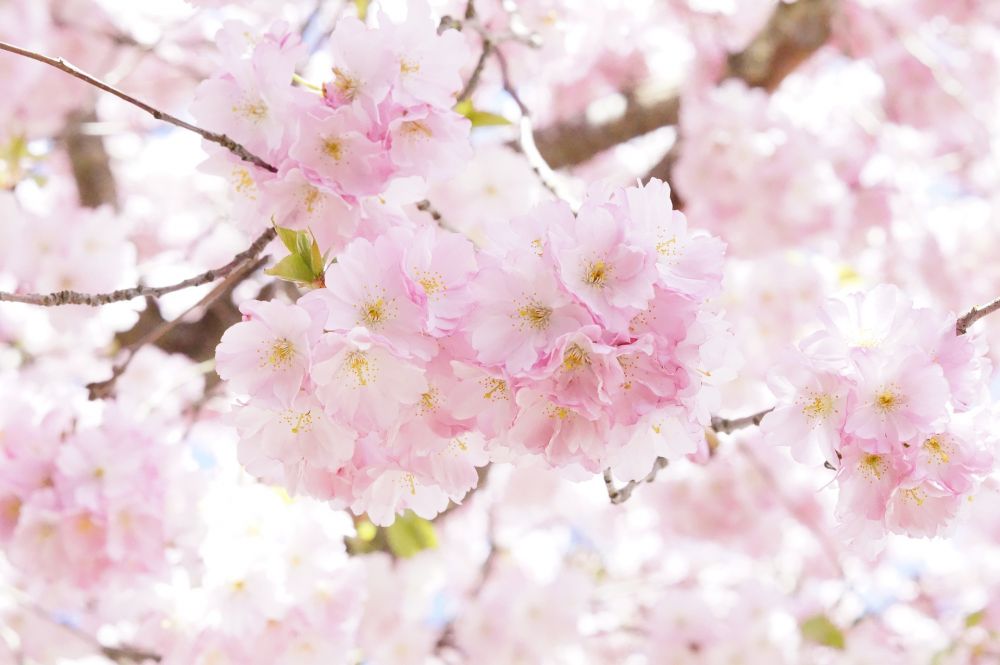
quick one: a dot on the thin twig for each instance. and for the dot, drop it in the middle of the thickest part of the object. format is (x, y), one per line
(470, 85)
(621, 495)
(221, 139)
(105, 389)
(973, 315)
(549, 178)
(60, 298)
(729, 425)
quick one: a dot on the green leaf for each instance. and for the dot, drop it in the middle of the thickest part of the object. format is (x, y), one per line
(362, 6)
(303, 247)
(316, 261)
(289, 237)
(821, 630)
(975, 618)
(292, 269)
(410, 534)
(479, 118)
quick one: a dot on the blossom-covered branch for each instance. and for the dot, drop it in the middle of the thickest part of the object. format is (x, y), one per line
(72, 70)
(60, 298)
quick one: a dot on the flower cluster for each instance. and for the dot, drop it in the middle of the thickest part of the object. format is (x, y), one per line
(888, 395)
(381, 116)
(82, 504)
(583, 339)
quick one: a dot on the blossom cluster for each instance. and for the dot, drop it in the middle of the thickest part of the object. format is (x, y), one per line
(84, 504)
(584, 339)
(381, 116)
(891, 397)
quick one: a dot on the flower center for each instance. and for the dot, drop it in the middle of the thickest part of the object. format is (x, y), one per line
(597, 274)
(333, 149)
(888, 400)
(374, 313)
(538, 316)
(872, 466)
(938, 449)
(574, 357)
(496, 389)
(300, 422)
(357, 364)
(280, 355)
(819, 407)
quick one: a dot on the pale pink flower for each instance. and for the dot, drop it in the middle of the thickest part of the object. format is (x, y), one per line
(921, 509)
(363, 383)
(428, 142)
(439, 267)
(897, 398)
(428, 64)
(811, 411)
(602, 266)
(561, 435)
(293, 435)
(866, 481)
(364, 66)
(367, 288)
(253, 102)
(689, 263)
(396, 490)
(334, 147)
(521, 312)
(267, 354)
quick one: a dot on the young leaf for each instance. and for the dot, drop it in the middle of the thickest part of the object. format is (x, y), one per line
(293, 269)
(821, 630)
(410, 534)
(288, 237)
(479, 118)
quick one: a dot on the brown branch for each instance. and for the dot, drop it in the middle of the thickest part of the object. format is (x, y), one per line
(470, 85)
(527, 145)
(793, 33)
(221, 139)
(621, 495)
(60, 298)
(105, 389)
(730, 425)
(90, 163)
(973, 315)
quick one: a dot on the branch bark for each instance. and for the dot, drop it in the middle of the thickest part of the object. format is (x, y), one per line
(220, 139)
(973, 315)
(793, 33)
(60, 298)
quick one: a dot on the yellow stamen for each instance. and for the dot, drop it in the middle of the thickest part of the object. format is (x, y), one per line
(279, 355)
(597, 274)
(574, 357)
(537, 315)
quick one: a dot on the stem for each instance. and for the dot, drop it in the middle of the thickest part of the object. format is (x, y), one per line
(221, 139)
(60, 298)
(622, 494)
(729, 425)
(105, 389)
(973, 315)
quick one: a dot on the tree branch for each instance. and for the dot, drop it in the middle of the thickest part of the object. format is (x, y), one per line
(548, 177)
(221, 139)
(730, 425)
(973, 315)
(105, 389)
(793, 33)
(60, 298)
(622, 494)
